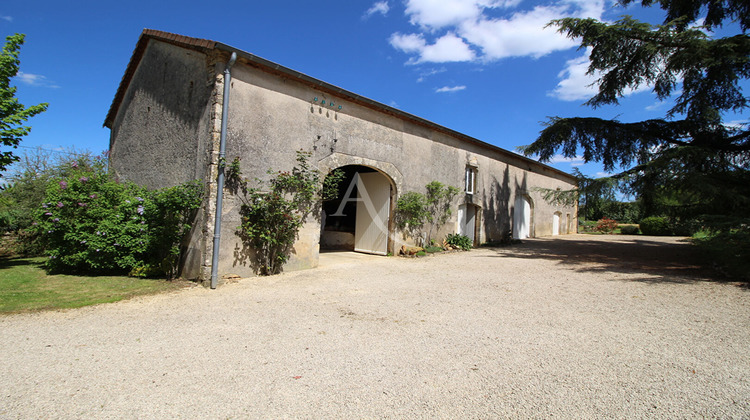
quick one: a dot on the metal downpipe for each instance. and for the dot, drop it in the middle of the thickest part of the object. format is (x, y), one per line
(222, 164)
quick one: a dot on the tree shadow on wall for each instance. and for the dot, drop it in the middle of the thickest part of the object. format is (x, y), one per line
(497, 214)
(659, 260)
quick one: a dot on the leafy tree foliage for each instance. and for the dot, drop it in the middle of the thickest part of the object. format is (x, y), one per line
(12, 113)
(689, 163)
(593, 196)
(596, 199)
(24, 193)
(26, 184)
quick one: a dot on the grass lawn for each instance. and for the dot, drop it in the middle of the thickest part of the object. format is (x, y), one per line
(26, 287)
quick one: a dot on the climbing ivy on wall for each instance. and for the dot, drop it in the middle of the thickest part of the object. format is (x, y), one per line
(414, 210)
(273, 213)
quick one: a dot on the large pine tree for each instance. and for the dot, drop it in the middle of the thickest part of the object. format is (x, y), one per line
(689, 163)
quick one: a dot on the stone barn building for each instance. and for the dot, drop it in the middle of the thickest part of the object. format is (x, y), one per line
(166, 124)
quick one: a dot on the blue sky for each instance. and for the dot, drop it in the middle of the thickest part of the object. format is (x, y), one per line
(486, 68)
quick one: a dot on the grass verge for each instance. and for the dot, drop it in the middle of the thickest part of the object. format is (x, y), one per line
(26, 287)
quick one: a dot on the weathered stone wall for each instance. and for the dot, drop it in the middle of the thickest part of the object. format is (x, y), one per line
(161, 135)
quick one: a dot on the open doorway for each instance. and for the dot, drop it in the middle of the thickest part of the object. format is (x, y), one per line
(359, 219)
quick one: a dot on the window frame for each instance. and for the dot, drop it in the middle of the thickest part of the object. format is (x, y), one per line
(470, 179)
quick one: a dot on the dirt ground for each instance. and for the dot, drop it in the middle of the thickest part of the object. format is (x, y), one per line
(575, 326)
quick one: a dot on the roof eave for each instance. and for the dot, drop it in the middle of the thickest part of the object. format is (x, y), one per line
(208, 45)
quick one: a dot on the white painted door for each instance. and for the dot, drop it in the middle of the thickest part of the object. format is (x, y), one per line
(556, 224)
(373, 205)
(522, 218)
(471, 217)
(467, 216)
(461, 223)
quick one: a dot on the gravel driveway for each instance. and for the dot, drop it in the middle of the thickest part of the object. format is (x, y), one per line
(575, 327)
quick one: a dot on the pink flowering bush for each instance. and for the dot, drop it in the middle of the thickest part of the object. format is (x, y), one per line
(100, 234)
(606, 225)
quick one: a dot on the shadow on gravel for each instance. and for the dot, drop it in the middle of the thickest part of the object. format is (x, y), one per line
(661, 261)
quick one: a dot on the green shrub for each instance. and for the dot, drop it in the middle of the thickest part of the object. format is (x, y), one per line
(629, 230)
(26, 185)
(431, 249)
(414, 210)
(90, 223)
(656, 225)
(459, 241)
(169, 213)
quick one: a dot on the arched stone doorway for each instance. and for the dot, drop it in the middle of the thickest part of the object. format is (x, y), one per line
(359, 219)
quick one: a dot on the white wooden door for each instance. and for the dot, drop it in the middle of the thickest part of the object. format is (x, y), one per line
(556, 224)
(471, 219)
(522, 218)
(373, 205)
(467, 220)
(461, 228)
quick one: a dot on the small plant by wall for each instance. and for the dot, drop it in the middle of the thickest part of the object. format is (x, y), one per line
(459, 241)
